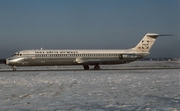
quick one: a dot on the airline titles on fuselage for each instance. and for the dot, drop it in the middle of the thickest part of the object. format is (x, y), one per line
(56, 52)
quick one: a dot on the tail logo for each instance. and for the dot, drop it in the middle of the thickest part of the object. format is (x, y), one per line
(145, 44)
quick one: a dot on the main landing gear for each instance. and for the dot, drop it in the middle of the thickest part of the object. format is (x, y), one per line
(86, 67)
(14, 68)
(96, 67)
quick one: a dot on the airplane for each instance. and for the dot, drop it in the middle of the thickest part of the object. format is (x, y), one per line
(85, 58)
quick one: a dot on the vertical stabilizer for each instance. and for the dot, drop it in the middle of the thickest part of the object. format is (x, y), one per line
(146, 43)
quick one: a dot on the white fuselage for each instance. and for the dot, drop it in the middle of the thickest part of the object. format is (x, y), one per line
(73, 57)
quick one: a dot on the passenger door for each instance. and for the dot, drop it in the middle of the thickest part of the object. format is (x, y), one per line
(26, 57)
(120, 56)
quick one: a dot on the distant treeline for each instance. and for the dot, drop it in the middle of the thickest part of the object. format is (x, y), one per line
(2, 61)
(158, 59)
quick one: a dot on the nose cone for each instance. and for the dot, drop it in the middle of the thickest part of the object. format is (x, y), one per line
(6, 61)
(13, 61)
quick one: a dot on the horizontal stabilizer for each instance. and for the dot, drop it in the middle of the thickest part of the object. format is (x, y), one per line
(167, 35)
(156, 35)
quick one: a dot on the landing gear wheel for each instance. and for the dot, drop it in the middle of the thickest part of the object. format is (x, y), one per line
(14, 68)
(96, 67)
(86, 67)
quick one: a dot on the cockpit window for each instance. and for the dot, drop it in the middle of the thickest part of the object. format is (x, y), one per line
(16, 54)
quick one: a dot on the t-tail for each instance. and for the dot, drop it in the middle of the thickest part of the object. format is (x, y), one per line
(147, 42)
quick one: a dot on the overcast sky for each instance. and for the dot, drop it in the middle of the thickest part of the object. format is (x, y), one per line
(88, 24)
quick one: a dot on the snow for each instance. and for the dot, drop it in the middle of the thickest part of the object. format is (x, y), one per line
(103, 90)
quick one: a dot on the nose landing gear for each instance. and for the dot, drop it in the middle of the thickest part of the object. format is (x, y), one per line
(86, 67)
(14, 68)
(96, 67)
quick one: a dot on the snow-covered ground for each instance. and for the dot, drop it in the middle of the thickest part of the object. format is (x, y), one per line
(102, 90)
